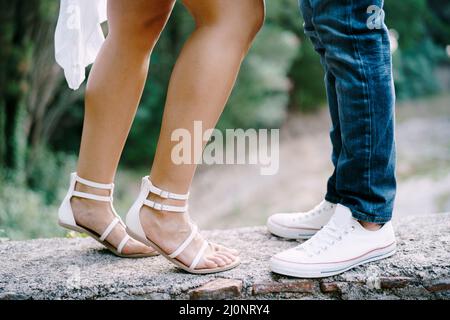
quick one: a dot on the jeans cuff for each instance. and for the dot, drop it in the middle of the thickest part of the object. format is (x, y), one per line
(333, 199)
(361, 216)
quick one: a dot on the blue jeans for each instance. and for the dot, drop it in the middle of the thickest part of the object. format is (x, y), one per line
(359, 84)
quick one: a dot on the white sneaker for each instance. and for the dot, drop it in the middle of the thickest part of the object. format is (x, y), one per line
(341, 245)
(301, 225)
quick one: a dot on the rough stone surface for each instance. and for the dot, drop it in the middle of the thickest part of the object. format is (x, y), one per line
(218, 289)
(330, 287)
(293, 286)
(80, 269)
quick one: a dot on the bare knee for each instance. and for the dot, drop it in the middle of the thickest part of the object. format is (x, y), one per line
(138, 24)
(239, 20)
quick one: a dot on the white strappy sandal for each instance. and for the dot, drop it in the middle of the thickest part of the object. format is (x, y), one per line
(67, 220)
(134, 228)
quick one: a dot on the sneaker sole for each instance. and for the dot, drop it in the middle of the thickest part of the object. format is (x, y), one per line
(289, 233)
(288, 270)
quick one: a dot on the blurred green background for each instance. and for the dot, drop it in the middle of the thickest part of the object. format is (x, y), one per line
(41, 119)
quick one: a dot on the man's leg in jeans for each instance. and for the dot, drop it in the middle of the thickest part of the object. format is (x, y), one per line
(358, 59)
(330, 86)
(358, 69)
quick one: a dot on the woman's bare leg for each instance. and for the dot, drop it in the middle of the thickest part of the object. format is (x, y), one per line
(113, 92)
(199, 88)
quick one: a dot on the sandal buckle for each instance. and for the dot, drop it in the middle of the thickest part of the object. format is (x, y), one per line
(158, 206)
(164, 194)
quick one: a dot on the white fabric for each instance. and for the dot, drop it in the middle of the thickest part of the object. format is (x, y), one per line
(78, 37)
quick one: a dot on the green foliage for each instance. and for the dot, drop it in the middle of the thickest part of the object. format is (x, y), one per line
(307, 92)
(262, 91)
(141, 143)
(24, 213)
(48, 173)
(28, 209)
(439, 26)
(418, 54)
(307, 75)
(414, 71)
(403, 17)
(22, 24)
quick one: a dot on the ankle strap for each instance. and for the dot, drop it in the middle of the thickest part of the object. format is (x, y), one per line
(103, 186)
(149, 187)
(165, 207)
(165, 194)
(93, 184)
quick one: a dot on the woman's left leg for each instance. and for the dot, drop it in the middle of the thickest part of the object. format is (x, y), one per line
(199, 88)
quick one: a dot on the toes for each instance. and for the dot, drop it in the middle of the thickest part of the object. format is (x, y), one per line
(234, 252)
(136, 247)
(208, 264)
(229, 256)
(222, 249)
(146, 250)
(225, 258)
(218, 260)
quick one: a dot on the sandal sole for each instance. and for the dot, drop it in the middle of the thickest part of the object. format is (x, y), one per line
(178, 263)
(105, 243)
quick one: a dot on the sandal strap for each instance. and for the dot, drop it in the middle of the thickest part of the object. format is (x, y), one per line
(109, 229)
(199, 255)
(123, 243)
(91, 196)
(165, 207)
(185, 243)
(166, 194)
(93, 184)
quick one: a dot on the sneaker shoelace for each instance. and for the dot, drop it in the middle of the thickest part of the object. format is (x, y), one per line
(324, 238)
(318, 209)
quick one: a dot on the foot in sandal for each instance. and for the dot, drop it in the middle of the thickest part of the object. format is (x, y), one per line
(87, 208)
(159, 219)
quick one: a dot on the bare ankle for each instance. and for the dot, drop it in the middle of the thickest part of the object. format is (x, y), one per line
(370, 225)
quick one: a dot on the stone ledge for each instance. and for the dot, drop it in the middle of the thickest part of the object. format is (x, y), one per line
(80, 269)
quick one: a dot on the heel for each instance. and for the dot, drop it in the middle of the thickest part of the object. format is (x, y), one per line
(67, 220)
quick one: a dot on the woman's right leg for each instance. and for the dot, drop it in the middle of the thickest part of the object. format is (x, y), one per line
(199, 88)
(113, 92)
